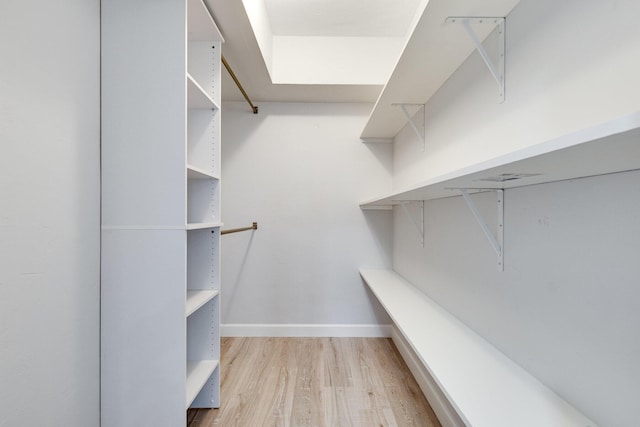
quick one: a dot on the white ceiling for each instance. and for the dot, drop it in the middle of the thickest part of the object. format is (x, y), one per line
(342, 17)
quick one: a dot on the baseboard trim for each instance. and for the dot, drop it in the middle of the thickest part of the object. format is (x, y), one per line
(304, 330)
(445, 412)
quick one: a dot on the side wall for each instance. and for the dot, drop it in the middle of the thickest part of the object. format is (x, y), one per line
(49, 212)
(299, 170)
(566, 307)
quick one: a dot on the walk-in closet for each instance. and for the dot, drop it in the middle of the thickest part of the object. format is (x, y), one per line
(319, 213)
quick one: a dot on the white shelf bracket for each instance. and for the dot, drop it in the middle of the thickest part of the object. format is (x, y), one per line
(497, 70)
(418, 224)
(416, 128)
(497, 242)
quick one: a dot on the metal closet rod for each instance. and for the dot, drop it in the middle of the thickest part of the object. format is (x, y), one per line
(253, 226)
(235, 79)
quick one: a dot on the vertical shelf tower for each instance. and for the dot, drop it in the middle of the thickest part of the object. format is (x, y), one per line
(160, 297)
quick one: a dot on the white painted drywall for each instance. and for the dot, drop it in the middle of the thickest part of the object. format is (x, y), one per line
(334, 60)
(299, 170)
(49, 213)
(566, 307)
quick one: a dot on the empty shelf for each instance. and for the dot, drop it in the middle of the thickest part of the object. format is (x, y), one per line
(486, 388)
(196, 299)
(608, 147)
(432, 54)
(197, 97)
(194, 172)
(198, 372)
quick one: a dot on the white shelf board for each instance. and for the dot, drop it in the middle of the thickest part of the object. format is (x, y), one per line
(486, 388)
(200, 24)
(431, 55)
(194, 172)
(198, 298)
(609, 147)
(203, 225)
(197, 97)
(198, 372)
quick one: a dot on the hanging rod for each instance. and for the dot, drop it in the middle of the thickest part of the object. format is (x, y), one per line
(235, 79)
(253, 226)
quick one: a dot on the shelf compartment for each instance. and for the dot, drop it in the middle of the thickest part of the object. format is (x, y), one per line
(196, 299)
(200, 24)
(198, 372)
(432, 54)
(203, 260)
(194, 172)
(608, 147)
(197, 97)
(203, 141)
(203, 198)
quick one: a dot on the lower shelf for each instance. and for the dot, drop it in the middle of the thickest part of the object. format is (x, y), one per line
(486, 388)
(198, 372)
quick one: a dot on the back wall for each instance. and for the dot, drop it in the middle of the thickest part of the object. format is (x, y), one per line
(300, 170)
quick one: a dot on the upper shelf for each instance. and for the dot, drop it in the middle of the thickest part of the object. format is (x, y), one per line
(609, 147)
(197, 97)
(432, 54)
(200, 24)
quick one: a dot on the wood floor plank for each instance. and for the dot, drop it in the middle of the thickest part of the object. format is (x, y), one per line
(315, 382)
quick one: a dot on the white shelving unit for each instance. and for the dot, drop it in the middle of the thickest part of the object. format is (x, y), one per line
(161, 211)
(432, 54)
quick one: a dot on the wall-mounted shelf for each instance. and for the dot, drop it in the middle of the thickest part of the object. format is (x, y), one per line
(196, 299)
(484, 387)
(432, 54)
(197, 97)
(198, 372)
(609, 147)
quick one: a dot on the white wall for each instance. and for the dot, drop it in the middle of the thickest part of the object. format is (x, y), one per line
(334, 60)
(49, 213)
(566, 307)
(299, 170)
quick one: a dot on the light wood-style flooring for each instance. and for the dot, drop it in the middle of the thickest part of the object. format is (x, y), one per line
(315, 382)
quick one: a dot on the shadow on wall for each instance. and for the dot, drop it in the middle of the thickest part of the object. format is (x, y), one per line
(379, 223)
(230, 290)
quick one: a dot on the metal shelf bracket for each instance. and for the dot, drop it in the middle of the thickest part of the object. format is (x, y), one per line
(497, 70)
(418, 223)
(416, 128)
(497, 242)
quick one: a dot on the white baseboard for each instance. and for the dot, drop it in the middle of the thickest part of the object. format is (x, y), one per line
(445, 412)
(304, 330)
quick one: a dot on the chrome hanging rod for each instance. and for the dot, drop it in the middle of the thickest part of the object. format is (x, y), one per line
(253, 226)
(254, 108)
